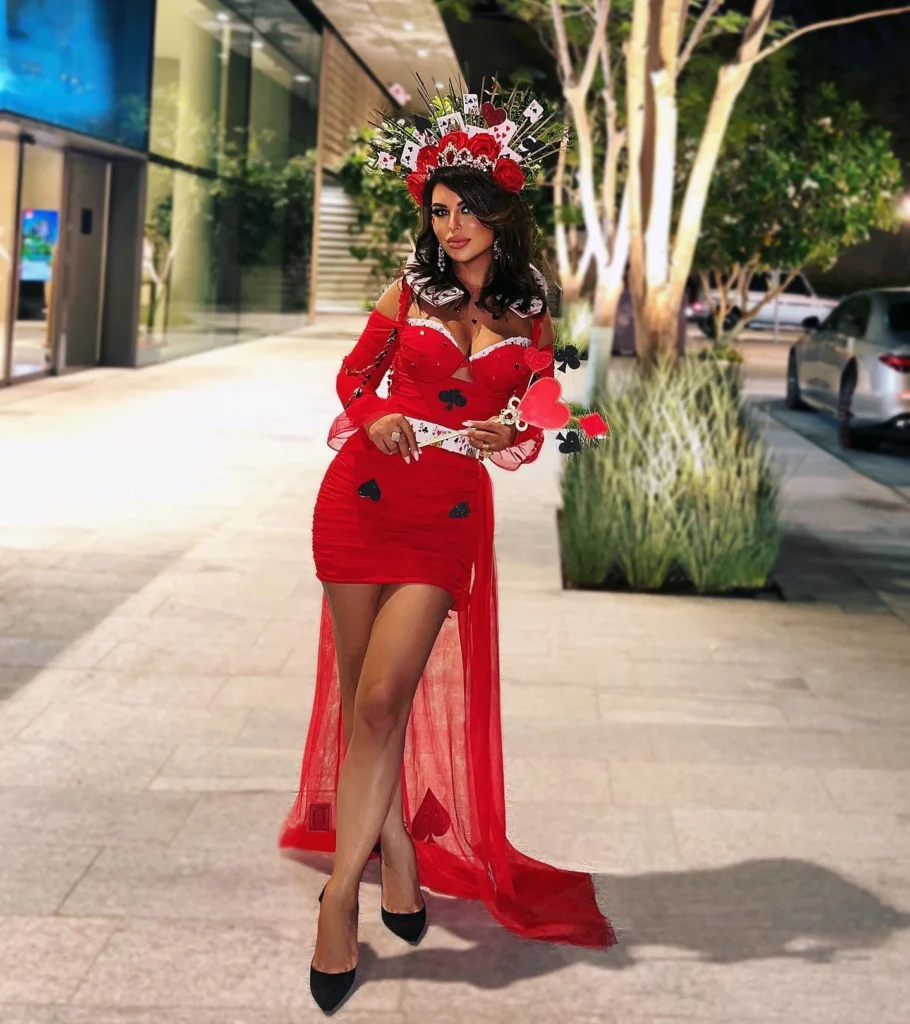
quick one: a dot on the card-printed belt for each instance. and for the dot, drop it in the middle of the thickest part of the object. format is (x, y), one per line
(427, 433)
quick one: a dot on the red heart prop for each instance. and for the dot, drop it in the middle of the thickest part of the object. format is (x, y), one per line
(538, 359)
(594, 425)
(541, 405)
(492, 115)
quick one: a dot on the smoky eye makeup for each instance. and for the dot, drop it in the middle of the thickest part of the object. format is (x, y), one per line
(440, 211)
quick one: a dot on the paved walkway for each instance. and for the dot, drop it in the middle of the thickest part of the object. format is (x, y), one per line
(736, 773)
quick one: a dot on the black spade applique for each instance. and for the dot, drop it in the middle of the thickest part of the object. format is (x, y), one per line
(452, 398)
(370, 490)
(530, 146)
(422, 124)
(461, 511)
(569, 442)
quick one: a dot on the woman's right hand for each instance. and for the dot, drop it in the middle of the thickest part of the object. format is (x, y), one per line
(380, 433)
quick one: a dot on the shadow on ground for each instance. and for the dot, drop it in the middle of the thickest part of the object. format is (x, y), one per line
(754, 910)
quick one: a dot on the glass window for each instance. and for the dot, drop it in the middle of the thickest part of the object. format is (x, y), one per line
(798, 286)
(188, 301)
(899, 315)
(82, 64)
(39, 264)
(201, 82)
(854, 319)
(759, 283)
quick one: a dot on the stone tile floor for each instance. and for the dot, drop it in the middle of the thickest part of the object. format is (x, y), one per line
(735, 773)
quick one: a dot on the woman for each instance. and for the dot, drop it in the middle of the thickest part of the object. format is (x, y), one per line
(407, 697)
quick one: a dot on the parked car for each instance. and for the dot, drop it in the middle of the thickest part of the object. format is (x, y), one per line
(857, 365)
(788, 311)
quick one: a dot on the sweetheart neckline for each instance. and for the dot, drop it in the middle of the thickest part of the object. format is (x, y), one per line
(517, 339)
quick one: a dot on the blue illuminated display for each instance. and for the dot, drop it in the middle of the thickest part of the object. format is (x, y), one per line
(79, 64)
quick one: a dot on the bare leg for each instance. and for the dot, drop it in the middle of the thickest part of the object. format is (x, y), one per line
(354, 607)
(404, 631)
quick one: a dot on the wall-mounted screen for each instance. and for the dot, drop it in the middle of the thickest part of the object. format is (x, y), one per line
(79, 64)
(40, 232)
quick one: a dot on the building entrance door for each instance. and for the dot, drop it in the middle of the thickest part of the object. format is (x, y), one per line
(88, 198)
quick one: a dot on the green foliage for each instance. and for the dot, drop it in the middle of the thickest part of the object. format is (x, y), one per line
(684, 487)
(265, 209)
(385, 211)
(800, 189)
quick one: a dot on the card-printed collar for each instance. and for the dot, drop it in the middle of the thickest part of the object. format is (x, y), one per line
(423, 288)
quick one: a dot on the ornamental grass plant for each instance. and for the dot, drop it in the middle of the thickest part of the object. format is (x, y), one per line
(684, 491)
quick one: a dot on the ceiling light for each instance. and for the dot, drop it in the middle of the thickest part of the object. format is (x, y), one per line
(258, 44)
(221, 16)
(440, 85)
(408, 26)
(302, 78)
(423, 53)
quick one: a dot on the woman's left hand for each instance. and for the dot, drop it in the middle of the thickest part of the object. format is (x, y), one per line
(490, 435)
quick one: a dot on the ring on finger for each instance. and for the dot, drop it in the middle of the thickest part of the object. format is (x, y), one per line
(396, 436)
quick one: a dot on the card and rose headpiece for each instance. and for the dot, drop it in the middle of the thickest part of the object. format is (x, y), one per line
(505, 135)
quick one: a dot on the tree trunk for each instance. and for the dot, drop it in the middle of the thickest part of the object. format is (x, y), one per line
(603, 331)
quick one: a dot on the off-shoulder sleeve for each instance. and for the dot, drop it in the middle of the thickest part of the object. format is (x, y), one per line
(361, 373)
(529, 442)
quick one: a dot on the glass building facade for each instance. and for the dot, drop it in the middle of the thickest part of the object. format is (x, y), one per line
(156, 158)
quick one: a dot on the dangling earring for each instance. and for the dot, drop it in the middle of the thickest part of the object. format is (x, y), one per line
(497, 249)
(441, 260)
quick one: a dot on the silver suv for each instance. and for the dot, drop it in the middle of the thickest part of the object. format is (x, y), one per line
(857, 365)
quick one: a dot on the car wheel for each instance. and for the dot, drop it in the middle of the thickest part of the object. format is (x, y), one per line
(794, 395)
(706, 326)
(848, 435)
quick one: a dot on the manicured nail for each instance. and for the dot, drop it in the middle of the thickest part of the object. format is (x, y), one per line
(407, 460)
(417, 454)
(468, 423)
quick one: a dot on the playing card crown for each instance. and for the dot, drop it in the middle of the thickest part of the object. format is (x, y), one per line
(497, 135)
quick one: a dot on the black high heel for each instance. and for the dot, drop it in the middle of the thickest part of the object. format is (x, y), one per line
(410, 927)
(331, 990)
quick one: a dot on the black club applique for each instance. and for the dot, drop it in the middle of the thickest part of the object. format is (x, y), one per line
(370, 490)
(460, 511)
(453, 397)
(569, 443)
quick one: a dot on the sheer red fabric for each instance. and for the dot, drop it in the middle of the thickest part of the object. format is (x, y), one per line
(452, 775)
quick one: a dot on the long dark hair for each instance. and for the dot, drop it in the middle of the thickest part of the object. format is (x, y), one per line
(511, 280)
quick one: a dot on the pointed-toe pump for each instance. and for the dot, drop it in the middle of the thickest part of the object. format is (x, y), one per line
(331, 990)
(409, 927)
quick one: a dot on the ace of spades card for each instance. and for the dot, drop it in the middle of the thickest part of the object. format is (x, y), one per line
(533, 112)
(409, 155)
(503, 132)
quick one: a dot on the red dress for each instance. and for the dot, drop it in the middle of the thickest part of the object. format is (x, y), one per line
(379, 520)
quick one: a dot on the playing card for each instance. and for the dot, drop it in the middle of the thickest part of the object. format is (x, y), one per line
(533, 112)
(503, 132)
(409, 155)
(511, 154)
(471, 103)
(451, 123)
(387, 161)
(474, 129)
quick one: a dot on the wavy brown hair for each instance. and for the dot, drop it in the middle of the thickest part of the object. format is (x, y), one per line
(511, 280)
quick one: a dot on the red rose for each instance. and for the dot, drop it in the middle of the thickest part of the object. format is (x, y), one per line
(458, 140)
(483, 144)
(427, 159)
(415, 183)
(508, 175)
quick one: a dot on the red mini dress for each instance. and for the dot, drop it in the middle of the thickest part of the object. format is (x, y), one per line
(379, 520)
